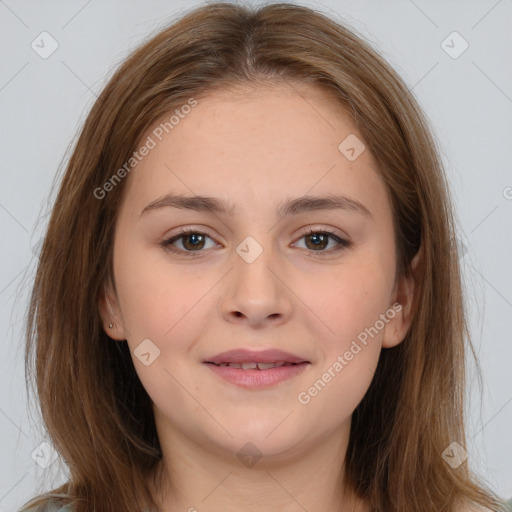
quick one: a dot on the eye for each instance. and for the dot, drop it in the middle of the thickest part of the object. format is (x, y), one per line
(317, 240)
(191, 241)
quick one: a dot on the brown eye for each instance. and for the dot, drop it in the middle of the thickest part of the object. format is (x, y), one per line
(317, 241)
(191, 241)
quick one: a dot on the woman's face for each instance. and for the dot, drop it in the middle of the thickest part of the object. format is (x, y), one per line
(256, 271)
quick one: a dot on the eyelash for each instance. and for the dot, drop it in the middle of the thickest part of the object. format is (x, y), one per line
(342, 243)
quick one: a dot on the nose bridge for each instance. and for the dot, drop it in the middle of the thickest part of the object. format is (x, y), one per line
(255, 289)
(253, 260)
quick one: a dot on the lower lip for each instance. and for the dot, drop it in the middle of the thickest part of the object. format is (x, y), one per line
(257, 379)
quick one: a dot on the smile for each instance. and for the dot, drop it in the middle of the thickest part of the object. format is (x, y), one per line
(255, 375)
(254, 366)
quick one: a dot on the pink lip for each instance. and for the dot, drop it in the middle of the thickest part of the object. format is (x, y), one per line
(257, 379)
(261, 356)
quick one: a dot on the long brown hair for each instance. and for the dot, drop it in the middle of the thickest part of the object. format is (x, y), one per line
(97, 413)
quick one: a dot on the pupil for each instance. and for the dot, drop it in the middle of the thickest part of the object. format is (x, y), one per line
(196, 237)
(319, 238)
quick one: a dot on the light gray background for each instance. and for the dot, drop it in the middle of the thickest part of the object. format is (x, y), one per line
(468, 100)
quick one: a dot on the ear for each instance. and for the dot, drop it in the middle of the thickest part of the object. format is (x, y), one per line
(404, 293)
(110, 312)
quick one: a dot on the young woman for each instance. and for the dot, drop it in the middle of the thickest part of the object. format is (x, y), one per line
(248, 297)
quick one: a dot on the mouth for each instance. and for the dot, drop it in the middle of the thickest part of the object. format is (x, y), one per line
(252, 359)
(256, 365)
(256, 369)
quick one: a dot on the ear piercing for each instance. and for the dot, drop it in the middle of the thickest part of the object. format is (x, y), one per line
(111, 325)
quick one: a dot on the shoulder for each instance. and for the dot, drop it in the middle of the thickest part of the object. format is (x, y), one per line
(46, 505)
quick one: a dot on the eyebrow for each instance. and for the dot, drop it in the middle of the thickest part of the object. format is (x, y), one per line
(290, 207)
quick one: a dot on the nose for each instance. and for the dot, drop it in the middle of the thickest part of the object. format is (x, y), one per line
(257, 293)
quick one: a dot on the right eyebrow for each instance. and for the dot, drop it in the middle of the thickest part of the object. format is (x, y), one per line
(289, 207)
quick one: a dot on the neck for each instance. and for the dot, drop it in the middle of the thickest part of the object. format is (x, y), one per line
(199, 477)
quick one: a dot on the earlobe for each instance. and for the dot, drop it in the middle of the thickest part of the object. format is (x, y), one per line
(404, 295)
(109, 313)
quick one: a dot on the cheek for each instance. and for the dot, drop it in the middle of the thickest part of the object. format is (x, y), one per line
(334, 393)
(164, 305)
(348, 301)
(351, 345)
(349, 307)
(156, 297)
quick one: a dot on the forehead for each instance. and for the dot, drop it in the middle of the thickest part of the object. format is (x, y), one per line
(256, 143)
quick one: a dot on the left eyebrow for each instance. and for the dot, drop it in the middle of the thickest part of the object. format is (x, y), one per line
(289, 207)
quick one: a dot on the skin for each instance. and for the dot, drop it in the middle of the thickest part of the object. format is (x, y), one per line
(256, 149)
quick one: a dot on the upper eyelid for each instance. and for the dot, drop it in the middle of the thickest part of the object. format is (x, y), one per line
(306, 230)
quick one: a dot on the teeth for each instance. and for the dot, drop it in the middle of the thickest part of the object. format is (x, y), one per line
(266, 366)
(277, 364)
(254, 365)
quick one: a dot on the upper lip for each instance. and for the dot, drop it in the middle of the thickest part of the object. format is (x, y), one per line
(249, 356)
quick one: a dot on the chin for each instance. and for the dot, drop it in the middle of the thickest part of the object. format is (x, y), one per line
(271, 444)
